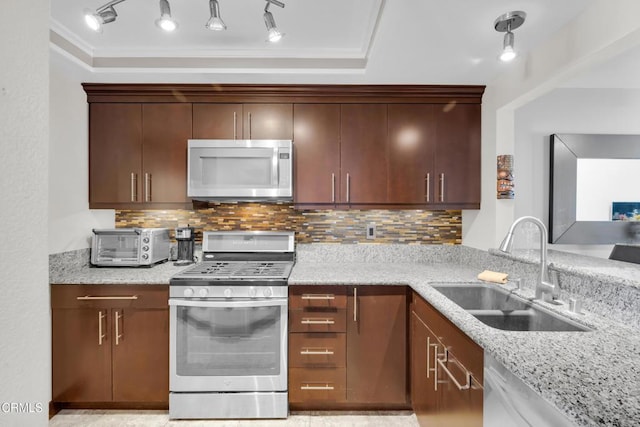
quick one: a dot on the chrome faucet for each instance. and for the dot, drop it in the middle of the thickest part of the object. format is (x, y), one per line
(544, 285)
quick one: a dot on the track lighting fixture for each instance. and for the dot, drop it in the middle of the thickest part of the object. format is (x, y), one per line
(505, 24)
(103, 15)
(165, 21)
(215, 23)
(106, 14)
(273, 34)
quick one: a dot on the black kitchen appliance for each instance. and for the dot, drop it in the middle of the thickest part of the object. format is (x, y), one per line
(186, 243)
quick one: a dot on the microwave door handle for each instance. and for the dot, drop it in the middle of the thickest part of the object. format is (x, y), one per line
(275, 176)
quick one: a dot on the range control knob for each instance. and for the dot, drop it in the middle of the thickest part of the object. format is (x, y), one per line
(252, 292)
(188, 292)
(267, 292)
(203, 292)
(228, 292)
(145, 256)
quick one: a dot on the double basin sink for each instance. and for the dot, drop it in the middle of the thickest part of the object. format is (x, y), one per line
(501, 309)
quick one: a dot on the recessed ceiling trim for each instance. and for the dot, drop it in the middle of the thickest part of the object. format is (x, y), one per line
(69, 37)
(372, 30)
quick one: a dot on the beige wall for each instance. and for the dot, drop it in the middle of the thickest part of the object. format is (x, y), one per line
(25, 367)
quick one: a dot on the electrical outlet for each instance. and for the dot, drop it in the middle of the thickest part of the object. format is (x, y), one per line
(371, 230)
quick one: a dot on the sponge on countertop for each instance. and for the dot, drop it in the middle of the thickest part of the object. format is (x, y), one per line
(493, 276)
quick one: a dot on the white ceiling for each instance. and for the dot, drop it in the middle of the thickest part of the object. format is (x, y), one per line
(382, 41)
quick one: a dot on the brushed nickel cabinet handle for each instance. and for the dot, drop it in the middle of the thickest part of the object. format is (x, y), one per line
(147, 187)
(317, 321)
(90, 298)
(134, 187)
(101, 335)
(333, 188)
(324, 351)
(235, 125)
(116, 317)
(427, 185)
(318, 297)
(442, 187)
(317, 387)
(467, 375)
(348, 188)
(249, 124)
(355, 304)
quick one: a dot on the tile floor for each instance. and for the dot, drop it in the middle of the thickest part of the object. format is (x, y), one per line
(121, 418)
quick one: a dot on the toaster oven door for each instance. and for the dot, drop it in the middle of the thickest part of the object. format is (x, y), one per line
(115, 247)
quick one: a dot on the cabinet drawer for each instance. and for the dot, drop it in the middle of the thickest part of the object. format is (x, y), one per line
(317, 296)
(317, 321)
(317, 385)
(463, 348)
(317, 349)
(109, 296)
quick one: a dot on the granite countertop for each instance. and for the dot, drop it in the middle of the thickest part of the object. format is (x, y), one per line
(592, 377)
(158, 274)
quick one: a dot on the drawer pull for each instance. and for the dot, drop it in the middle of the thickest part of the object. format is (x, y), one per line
(467, 374)
(317, 296)
(317, 387)
(92, 298)
(101, 335)
(317, 321)
(308, 351)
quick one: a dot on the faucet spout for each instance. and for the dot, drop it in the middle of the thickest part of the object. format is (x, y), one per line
(543, 284)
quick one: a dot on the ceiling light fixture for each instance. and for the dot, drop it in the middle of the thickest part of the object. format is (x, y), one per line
(215, 23)
(166, 22)
(273, 34)
(505, 24)
(103, 15)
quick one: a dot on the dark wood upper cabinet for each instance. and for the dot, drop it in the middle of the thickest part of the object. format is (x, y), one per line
(412, 139)
(363, 153)
(457, 155)
(217, 121)
(115, 153)
(376, 346)
(267, 121)
(316, 144)
(165, 130)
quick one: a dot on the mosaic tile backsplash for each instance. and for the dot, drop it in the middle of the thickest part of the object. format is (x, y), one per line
(311, 226)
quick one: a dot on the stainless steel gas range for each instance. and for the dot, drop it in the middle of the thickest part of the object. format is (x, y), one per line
(228, 328)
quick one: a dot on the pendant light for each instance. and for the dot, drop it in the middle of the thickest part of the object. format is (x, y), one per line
(505, 23)
(215, 23)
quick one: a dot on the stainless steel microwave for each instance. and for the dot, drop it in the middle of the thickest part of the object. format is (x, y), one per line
(129, 247)
(240, 169)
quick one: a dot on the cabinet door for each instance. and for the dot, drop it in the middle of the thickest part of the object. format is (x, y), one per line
(457, 154)
(165, 129)
(217, 121)
(140, 339)
(411, 143)
(376, 346)
(316, 144)
(456, 407)
(115, 153)
(268, 121)
(81, 355)
(424, 397)
(363, 153)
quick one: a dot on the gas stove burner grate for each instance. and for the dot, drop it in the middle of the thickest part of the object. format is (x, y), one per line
(240, 269)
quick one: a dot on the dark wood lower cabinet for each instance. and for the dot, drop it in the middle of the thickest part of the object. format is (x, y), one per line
(446, 371)
(110, 345)
(352, 351)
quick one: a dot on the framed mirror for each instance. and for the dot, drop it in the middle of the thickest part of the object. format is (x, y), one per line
(594, 189)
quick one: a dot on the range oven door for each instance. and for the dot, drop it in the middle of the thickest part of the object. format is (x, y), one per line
(228, 345)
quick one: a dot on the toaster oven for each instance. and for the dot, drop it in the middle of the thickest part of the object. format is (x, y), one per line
(129, 247)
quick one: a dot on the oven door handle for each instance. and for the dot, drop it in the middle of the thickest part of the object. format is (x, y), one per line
(228, 303)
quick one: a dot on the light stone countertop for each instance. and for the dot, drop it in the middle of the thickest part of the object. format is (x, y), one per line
(592, 377)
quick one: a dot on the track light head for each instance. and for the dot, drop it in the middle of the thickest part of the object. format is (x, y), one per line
(273, 34)
(506, 23)
(166, 22)
(95, 20)
(215, 23)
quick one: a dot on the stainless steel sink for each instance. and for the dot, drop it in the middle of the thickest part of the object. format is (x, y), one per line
(501, 309)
